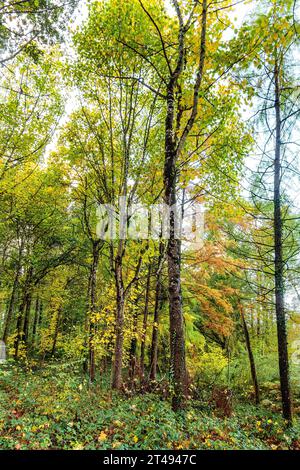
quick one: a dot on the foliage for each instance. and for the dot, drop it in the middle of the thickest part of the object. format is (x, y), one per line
(151, 102)
(51, 408)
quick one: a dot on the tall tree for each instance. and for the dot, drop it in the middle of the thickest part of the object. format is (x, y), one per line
(272, 83)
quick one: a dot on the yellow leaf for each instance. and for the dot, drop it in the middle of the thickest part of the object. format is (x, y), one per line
(102, 436)
(78, 446)
(118, 423)
(116, 444)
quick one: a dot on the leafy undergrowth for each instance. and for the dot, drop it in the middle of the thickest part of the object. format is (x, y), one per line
(52, 409)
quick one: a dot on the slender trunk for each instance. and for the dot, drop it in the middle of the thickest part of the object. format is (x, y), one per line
(41, 313)
(19, 327)
(92, 365)
(157, 307)
(11, 307)
(92, 288)
(251, 357)
(35, 320)
(87, 326)
(154, 344)
(40, 319)
(27, 318)
(23, 311)
(279, 264)
(145, 324)
(56, 331)
(117, 365)
(28, 295)
(259, 303)
(13, 295)
(132, 352)
(252, 320)
(4, 314)
(258, 322)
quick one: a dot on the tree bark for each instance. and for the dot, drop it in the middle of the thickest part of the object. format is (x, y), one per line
(56, 331)
(145, 324)
(19, 327)
(27, 317)
(35, 320)
(154, 344)
(41, 313)
(13, 295)
(157, 307)
(251, 357)
(174, 144)
(177, 339)
(279, 263)
(92, 289)
(132, 352)
(117, 365)
(23, 310)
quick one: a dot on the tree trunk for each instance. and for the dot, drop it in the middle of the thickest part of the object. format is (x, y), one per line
(86, 362)
(157, 307)
(117, 365)
(121, 296)
(154, 344)
(173, 147)
(56, 331)
(279, 264)
(251, 357)
(92, 289)
(35, 320)
(132, 353)
(13, 295)
(41, 313)
(145, 323)
(27, 318)
(19, 327)
(23, 311)
(177, 340)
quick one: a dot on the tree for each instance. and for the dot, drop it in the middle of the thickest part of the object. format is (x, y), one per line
(105, 145)
(169, 46)
(28, 24)
(273, 85)
(29, 110)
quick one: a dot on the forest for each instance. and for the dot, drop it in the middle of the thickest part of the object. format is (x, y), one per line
(149, 225)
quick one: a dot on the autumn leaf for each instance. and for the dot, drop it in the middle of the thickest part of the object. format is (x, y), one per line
(102, 436)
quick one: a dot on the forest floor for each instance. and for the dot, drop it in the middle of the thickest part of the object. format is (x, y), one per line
(52, 408)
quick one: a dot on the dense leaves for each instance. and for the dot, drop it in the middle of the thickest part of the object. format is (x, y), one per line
(124, 335)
